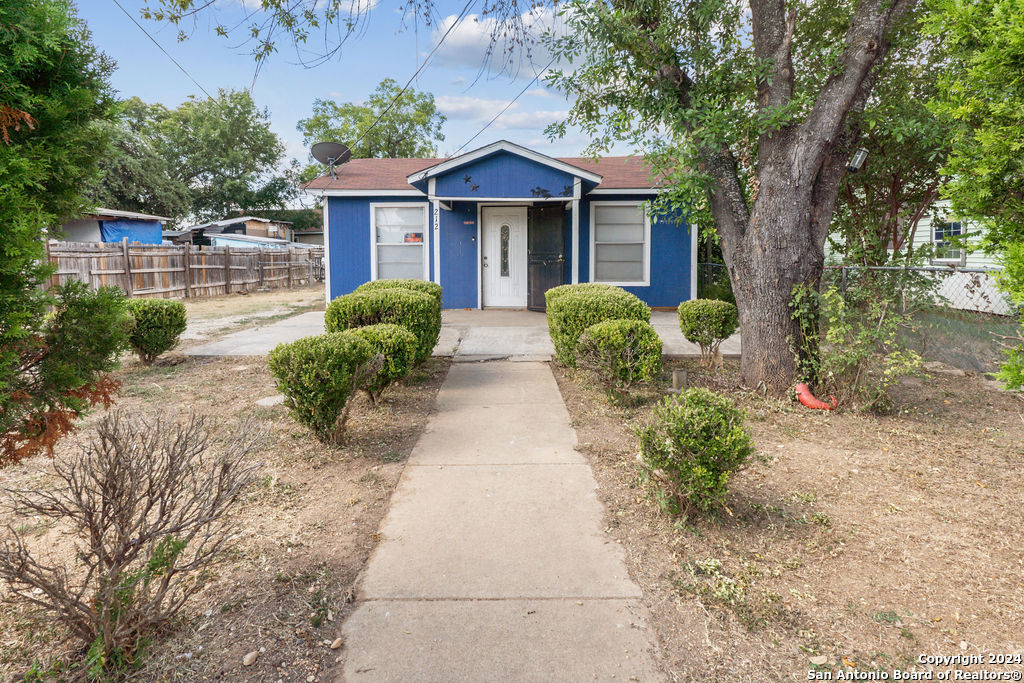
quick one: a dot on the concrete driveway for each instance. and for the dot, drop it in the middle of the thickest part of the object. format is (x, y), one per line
(466, 335)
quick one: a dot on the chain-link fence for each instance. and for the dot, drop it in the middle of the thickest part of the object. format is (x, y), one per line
(960, 314)
(961, 317)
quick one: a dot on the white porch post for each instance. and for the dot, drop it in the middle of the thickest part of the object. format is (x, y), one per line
(576, 230)
(435, 209)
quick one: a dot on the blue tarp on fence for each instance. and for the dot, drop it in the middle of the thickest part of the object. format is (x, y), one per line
(146, 232)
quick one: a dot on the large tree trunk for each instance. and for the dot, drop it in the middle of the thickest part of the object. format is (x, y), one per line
(780, 248)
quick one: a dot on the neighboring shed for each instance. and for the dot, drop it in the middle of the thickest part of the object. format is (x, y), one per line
(251, 242)
(253, 226)
(499, 226)
(111, 225)
(312, 237)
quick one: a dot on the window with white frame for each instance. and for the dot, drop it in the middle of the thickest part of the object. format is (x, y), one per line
(947, 249)
(398, 233)
(620, 243)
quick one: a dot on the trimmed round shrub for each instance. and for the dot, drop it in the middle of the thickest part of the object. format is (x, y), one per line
(431, 288)
(318, 375)
(707, 323)
(397, 346)
(621, 353)
(694, 442)
(158, 324)
(415, 311)
(570, 311)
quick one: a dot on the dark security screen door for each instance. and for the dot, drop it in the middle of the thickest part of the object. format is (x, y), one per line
(546, 248)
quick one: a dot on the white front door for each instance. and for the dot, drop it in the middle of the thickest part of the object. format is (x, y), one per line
(503, 258)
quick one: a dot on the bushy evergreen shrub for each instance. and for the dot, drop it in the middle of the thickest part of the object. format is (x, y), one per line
(693, 444)
(397, 346)
(574, 308)
(158, 325)
(620, 353)
(417, 312)
(318, 375)
(431, 288)
(707, 323)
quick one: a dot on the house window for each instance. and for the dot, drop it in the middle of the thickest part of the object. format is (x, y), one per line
(945, 250)
(398, 233)
(620, 243)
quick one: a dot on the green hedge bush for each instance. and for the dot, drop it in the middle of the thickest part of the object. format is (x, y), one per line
(415, 311)
(694, 442)
(397, 346)
(431, 288)
(318, 375)
(158, 324)
(621, 353)
(707, 323)
(574, 308)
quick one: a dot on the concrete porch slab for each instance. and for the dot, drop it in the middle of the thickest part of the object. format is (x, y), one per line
(466, 336)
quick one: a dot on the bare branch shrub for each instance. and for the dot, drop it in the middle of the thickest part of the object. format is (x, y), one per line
(146, 503)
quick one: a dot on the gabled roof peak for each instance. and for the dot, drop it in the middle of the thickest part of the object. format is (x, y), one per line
(494, 148)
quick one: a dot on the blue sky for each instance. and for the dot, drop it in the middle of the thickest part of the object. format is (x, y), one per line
(383, 49)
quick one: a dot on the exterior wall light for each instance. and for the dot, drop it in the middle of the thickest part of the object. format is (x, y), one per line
(857, 160)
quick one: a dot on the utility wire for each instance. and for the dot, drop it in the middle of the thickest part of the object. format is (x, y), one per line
(510, 103)
(426, 61)
(183, 70)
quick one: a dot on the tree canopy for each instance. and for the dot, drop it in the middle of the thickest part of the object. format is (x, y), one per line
(204, 159)
(54, 350)
(411, 127)
(982, 94)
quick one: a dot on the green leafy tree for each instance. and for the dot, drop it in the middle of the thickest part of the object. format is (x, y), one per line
(225, 153)
(410, 128)
(982, 94)
(880, 206)
(53, 89)
(135, 174)
(748, 111)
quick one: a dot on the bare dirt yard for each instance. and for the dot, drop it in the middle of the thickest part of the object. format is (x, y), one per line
(213, 316)
(855, 543)
(302, 533)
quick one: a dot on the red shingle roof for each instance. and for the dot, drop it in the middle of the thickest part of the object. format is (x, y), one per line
(617, 173)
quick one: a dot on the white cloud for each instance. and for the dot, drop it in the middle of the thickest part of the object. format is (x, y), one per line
(481, 110)
(468, 107)
(470, 42)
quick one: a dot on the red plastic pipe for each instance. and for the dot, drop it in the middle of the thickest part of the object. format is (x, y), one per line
(803, 392)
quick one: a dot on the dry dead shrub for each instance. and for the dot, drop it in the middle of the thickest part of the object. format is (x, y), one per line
(146, 503)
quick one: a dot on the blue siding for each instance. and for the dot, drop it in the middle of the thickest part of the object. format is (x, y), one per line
(671, 257)
(349, 239)
(459, 256)
(504, 175)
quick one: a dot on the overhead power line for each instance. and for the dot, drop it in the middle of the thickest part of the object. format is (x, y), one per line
(462, 15)
(143, 29)
(505, 108)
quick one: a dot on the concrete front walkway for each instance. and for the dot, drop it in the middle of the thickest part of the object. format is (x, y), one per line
(466, 335)
(492, 563)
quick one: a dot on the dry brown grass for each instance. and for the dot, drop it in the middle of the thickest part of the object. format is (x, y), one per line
(302, 533)
(867, 540)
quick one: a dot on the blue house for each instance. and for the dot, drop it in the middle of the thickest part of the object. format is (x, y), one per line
(499, 226)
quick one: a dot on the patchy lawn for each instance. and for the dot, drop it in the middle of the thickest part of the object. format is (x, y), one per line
(212, 316)
(303, 532)
(866, 541)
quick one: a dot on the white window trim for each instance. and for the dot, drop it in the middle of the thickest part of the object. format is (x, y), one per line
(425, 206)
(959, 260)
(646, 282)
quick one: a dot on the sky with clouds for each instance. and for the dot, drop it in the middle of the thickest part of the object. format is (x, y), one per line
(465, 90)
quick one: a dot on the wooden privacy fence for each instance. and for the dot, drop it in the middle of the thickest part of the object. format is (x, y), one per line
(183, 270)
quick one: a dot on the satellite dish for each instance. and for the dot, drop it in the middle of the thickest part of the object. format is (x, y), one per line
(331, 154)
